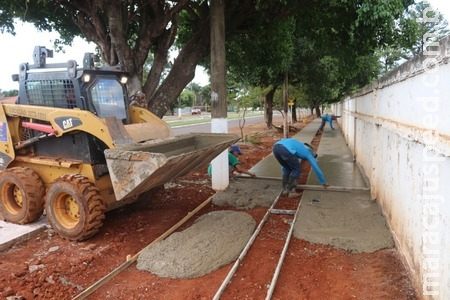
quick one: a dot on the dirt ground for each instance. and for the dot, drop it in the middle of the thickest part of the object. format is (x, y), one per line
(49, 267)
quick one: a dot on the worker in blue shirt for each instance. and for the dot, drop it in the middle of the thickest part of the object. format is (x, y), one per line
(287, 152)
(328, 118)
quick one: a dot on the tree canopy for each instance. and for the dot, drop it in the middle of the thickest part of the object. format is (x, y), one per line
(126, 32)
(327, 46)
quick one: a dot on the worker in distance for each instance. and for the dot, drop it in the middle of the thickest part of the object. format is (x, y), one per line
(328, 118)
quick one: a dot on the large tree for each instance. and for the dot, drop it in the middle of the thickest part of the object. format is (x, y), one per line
(261, 56)
(336, 45)
(423, 27)
(328, 47)
(126, 32)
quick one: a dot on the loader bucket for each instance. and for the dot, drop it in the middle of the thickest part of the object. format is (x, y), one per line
(139, 168)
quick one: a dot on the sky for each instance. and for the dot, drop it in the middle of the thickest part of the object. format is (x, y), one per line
(18, 49)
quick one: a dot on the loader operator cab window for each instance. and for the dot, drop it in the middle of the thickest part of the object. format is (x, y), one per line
(108, 98)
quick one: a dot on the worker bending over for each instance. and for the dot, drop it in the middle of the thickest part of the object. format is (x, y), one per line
(288, 152)
(328, 118)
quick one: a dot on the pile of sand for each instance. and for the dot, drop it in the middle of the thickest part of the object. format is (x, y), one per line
(214, 240)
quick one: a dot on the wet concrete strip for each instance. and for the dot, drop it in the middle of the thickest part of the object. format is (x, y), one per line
(336, 161)
(269, 166)
(213, 241)
(345, 220)
(248, 193)
(349, 220)
(307, 134)
(342, 174)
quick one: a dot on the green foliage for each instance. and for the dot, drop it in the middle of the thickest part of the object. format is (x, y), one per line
(7, 16)
(244, 97)
(328, 48)
(258, 56)
(337, 45)
(380, 19)
(187, 98)
(10, 93)
(419, 22)
(205, 93)
(296, 92)
(430, 24)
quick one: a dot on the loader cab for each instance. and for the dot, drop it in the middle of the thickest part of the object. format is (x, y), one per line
(106, 96)
(100, 90)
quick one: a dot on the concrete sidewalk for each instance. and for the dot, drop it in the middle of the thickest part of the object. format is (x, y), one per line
(343, 216)
(336, 161)
(334, 158)
(12, 233)
(269, 166)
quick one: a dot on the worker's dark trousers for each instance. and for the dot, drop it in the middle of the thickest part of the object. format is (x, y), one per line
(288, 161)
(323, 124)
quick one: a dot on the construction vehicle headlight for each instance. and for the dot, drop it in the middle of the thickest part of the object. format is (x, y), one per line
(86, 78)
(124, 79)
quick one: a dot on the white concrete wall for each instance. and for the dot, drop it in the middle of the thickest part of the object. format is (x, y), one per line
(399, 131)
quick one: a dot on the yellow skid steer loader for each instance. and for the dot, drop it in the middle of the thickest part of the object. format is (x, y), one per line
(74, 146)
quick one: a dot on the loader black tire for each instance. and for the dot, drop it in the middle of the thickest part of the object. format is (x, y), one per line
(21, 195)
(74, 207)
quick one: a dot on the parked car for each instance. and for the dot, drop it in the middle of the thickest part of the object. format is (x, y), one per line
(196, 111)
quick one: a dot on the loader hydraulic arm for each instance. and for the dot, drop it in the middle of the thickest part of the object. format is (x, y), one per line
(63, 121)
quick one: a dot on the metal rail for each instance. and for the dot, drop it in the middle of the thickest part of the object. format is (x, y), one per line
(282, 256)
(312, 187)
(244, 251)
(233, 270)
(271, 210)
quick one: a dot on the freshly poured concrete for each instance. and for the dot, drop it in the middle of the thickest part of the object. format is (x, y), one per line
(248, 193)
(13, 233)
(336, 161)
(349, 220)
(214, 240)
(345, 220)
(269, 166)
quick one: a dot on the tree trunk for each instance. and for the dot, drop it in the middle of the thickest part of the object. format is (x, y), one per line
(285, 107)
(268, 107)
(294, 112)
(182, 72)
(218, 62)
(317, 108)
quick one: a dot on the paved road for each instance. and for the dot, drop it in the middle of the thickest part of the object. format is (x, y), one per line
(206, 127)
